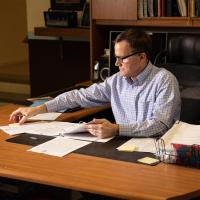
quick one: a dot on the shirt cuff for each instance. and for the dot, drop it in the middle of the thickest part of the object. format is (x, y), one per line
(51, 106)
(125, 130)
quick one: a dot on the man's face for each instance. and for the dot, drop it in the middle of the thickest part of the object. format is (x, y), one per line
(132, 65)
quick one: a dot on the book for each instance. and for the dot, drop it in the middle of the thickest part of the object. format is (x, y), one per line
(169, 8)
(155, 8)
(192, 8)
(150, 8)
(145, 8)
(140, 9)
(159, 8)
(197, 8)
(182, 6)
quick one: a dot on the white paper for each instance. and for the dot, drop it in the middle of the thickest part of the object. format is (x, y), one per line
(65, 129)
(87, 137)
(45, 116)
(182, 133)
(140, 144)
(59, 146)
(45, 128)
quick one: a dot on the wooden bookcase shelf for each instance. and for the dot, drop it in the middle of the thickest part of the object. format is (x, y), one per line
(150, 22)
(112, 15)
(107, 15)
(81, 33)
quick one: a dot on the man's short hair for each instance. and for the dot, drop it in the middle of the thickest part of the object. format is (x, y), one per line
(138, 40)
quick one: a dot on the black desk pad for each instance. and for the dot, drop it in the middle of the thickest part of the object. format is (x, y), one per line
(108, 150)
(30, 139)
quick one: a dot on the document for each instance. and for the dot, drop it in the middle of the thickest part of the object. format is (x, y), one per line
(139, 144)
(45, 116)
(182, 133)
(44, 128)
(181, 145)
(59, 146)
(87, 137)
(64, 129)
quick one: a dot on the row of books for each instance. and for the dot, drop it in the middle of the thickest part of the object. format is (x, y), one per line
(168, 8)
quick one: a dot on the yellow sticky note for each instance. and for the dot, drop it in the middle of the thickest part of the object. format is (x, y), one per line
(148, 160)
(127, 148)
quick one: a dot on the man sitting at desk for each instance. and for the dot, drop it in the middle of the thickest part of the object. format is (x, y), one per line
(145, 99)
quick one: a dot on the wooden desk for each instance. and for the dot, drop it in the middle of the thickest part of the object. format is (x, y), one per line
(97, 175)
(70, 117)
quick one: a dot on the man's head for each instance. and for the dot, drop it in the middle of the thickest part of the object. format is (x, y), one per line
(132, 52)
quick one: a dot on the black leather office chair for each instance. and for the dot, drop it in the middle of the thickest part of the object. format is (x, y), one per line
(182, 58)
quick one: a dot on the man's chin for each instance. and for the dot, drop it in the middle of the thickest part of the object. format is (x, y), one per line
(122, 74)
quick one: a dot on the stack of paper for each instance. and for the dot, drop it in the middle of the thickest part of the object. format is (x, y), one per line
(69, 136)
(44, 128)
(182, 133)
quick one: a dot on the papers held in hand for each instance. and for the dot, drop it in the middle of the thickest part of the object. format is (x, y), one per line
(45, 128)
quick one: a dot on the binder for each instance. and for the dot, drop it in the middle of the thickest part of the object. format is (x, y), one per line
(180, 145)
(182, 154)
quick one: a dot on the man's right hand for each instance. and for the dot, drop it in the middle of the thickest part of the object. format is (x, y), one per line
(23, 113)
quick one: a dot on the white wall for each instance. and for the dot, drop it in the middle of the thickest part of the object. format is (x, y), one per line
(35, 10)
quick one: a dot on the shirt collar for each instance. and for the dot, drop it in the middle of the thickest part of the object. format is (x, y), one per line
(142, 76)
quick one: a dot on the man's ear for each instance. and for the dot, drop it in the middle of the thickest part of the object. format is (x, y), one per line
(143, 55)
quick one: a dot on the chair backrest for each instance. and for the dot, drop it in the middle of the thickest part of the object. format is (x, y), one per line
(183, 60)
(185, 49)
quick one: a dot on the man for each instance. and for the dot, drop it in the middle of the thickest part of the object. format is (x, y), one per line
(145, 100)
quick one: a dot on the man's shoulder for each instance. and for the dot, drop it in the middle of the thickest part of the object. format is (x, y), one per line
(162, 72)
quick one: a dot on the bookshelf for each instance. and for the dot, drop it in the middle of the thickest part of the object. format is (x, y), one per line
(123, 14)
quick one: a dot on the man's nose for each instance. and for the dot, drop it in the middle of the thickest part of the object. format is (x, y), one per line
(117, 63)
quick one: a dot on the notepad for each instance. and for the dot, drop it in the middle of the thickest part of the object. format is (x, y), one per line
(148, 161)
(138, 144)
(127, 148)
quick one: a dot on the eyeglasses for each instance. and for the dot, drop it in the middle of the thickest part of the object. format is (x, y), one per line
(121, 59)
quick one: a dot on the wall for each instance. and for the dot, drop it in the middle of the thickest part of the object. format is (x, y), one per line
(13, 31)
(35, 10)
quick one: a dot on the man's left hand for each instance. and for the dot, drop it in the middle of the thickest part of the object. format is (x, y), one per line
(102, 128)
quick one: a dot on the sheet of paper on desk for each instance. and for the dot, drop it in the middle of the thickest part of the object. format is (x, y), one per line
(45, 116)
(139, 144)
(86, 137)
(182, 133)
(44, 128)
(59, 146)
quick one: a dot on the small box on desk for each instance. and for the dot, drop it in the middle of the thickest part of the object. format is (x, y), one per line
(188, 155)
